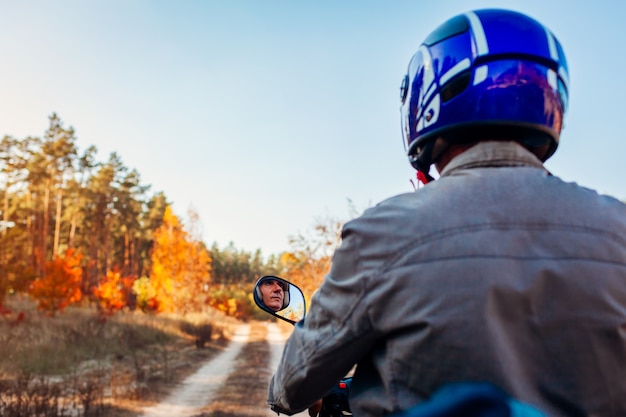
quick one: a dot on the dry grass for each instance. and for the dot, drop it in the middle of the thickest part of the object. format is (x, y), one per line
(87, 366)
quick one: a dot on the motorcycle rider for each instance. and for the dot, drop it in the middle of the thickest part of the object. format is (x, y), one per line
(272, 294)
(497, 271)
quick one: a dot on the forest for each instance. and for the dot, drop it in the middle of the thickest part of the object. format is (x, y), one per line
(76, 230)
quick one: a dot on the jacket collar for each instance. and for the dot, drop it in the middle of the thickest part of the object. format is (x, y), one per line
(493, 154)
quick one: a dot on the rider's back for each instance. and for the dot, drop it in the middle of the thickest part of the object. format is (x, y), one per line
(496, 272)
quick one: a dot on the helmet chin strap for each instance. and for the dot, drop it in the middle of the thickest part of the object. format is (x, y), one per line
(423, 169)
(424, 178)
(429, 154)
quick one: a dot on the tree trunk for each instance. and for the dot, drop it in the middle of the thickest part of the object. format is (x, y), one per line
(5, 213)
(126, 252)
(44, 231)
(30, 229)
(5, 227)
(57, 223)
(70, 243)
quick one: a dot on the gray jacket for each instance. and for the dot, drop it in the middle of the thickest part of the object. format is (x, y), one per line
(495, 272)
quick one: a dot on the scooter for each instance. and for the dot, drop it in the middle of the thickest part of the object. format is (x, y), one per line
(292, 309)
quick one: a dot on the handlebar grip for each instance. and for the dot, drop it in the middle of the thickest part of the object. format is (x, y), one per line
(335, 403)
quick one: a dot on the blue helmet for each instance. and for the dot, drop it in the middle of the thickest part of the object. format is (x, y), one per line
(486, 74)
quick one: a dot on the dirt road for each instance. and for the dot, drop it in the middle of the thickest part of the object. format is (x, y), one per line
(276, 339)
(199, 389)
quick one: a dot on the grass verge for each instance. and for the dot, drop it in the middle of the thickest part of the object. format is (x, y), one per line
(78, 364)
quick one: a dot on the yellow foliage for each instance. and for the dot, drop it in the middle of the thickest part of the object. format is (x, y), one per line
(233, 301)
(145, 293)
(304, 271)
(113, 291)
(232, 306)
(180, 267)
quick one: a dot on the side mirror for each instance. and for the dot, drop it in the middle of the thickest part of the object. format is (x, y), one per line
(280, 298)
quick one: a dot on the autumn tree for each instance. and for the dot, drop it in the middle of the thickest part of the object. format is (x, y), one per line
(113, 292)
(151, 219)
(53, 197)
(61, 284)
(181, 266)
(145, 295)
(233, 301)
(310, 256)
(15, 265)
(309, 259)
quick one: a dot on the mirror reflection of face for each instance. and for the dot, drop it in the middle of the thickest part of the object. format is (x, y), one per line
(272, 294)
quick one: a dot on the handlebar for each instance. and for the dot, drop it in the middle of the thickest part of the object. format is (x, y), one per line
(335, 403)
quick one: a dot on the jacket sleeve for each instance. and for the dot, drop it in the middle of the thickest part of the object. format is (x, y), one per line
(335, 334)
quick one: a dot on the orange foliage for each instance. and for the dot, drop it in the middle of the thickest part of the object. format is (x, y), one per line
(180, 267)
(234, 302)
(113, 292)
(309, 261)
(304, 271)
(61, 283)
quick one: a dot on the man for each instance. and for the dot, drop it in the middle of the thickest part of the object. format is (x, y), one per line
(272, 294)
(497, 271)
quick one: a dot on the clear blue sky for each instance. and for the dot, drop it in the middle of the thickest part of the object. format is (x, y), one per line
(265, 115)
